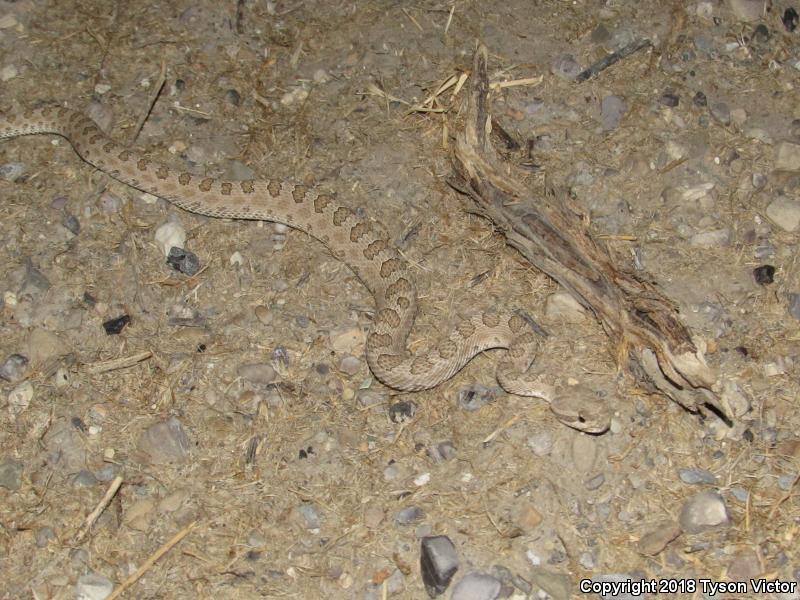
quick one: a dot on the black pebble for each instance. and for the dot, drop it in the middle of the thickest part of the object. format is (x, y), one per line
(790, 19)
(233, 97)
(761, 34)
(183, 261)
(438, 563)
(180, 85)
(700, 99)
(764, 274)
(669, 99)
(402, 412)
(89, 300)
(115, 326)
(71, 222)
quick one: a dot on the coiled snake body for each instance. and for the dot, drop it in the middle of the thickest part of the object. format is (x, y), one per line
(350, 238)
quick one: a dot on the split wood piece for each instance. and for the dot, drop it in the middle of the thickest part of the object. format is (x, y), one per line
(653, 344)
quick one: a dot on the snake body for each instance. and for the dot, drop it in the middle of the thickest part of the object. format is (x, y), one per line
(357, 241)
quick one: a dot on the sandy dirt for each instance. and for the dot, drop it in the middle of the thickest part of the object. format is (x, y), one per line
(250, 423)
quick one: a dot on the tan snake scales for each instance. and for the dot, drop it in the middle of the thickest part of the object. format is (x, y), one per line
(350, 238)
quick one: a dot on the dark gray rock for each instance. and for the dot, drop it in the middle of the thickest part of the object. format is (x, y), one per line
(438, 563)
(11, 474)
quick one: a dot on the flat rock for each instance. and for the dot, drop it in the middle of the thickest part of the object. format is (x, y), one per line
(93, 587)
(787, 156)
(476, 586)
(257, 373)
(11, 474)
(703, 511)
(785, 213)
(165, 442)
(655, 541)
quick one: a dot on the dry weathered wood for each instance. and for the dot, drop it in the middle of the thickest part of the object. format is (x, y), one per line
(653, 344)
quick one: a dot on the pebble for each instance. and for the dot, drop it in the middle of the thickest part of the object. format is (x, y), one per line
(410, 515)
(473, 397)
(45, 346)
(257, 373)
(793, 307)
(669, 99)
(565, 67)
(764, 274)
(711, 239)
(612, 109)
(438, 563)
(525, 516)
(84, 478)
(703, 511)
(19, 398)
(656, 540)
(116, 325)
(310, 516)
(391, 472)
(541, 443)
(12, 171)
(721, 112)
(422, 479)
(183, 261)
(697, 476)
(747, 10)
(350, 364)
(165, 442)
(11, 474)
(93, 587)
(170, 235)
(233, 97)
(744, 566)
(785, 213)
(476, 586)
(787, 156)
(8, 72)
(373, 517)
(562, 306)
(700, 99)
(43, 536)
(442, 452)
(368, 398)
(297, 95)
(556, 585)
(347, 340)
(8, 21)
(14, 368)
(790, 19)
(402, 412)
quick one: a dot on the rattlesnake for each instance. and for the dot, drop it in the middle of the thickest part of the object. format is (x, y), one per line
(356, 241)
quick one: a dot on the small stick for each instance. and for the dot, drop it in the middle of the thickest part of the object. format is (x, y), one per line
(412, 19)
(449, 18)
(117, 363)
(162, 78)
(101, 506)
(152, 560)
(612, 58)
(515, 82)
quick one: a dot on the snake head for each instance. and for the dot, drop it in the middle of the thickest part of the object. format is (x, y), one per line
(582, 408)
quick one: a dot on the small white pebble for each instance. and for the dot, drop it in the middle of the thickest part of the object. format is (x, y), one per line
(280, 228)
(8, 72)
(236, 259)
(10, 299)
(8, 21)
(170, 234)
(102, 88)
(109, 454)
(422, 479)
(94, 429)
